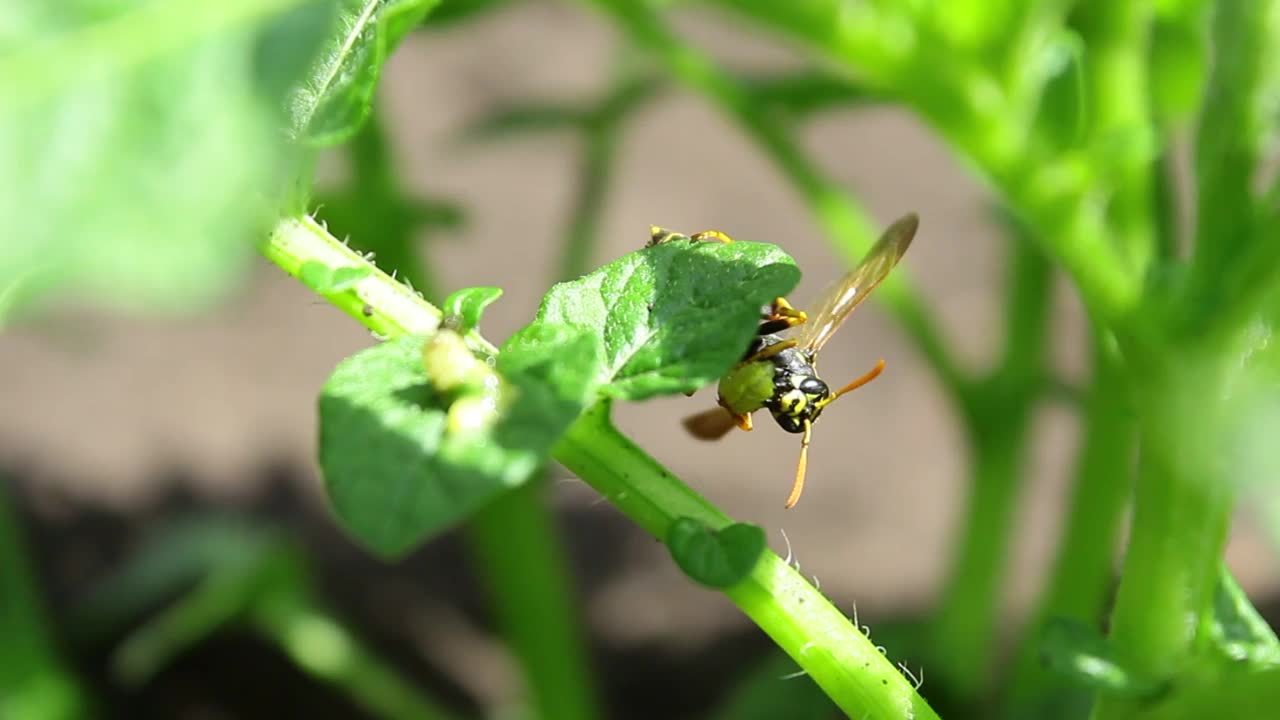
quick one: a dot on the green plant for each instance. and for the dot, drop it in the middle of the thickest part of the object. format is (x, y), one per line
(1070, 111)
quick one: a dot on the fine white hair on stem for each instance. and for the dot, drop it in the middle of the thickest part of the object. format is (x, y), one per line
(787, 540)
(907, 671)
(794, 675)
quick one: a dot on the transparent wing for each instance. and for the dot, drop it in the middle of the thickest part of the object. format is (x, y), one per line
(849, 291)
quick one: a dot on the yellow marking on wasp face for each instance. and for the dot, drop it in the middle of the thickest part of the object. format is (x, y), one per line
(793, 402)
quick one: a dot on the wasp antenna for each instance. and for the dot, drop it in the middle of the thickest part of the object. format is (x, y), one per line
(871, 374)
(798, 486)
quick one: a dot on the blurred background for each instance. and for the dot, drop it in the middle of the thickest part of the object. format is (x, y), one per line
(114, 428)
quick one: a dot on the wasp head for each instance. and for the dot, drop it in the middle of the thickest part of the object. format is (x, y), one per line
(798, 398)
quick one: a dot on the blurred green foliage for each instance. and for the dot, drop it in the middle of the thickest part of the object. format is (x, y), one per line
(146, 146)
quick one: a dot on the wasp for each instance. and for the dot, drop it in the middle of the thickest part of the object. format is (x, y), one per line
(781, 375)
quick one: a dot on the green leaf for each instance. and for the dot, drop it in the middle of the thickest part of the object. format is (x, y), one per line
(336, 99)
(715, 558)
(1080, 653)
(468, 305)
(674, 317)
(137, 141)
(401, 462)
(1237, 629)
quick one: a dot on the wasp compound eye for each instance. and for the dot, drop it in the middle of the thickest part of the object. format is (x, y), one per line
(814, 386)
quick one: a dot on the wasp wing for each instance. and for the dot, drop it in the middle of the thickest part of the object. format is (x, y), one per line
(710, 424)
(849, 291)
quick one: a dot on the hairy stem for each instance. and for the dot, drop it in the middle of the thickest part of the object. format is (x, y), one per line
(834, 653)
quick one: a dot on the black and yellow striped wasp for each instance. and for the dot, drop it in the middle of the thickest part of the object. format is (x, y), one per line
(781, 375)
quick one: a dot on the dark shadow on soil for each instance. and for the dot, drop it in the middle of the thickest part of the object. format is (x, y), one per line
(236, 674)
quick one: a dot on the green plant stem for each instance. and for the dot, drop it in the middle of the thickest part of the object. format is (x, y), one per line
(377, 301)
(594, 175)
(834, 653)
(844, 221)
(1080, 579)
(1181, 514)
(602, 127)
(320, 645)
(998, 414)
(522, 560)
(964, 633)
(861, 680)
(513, 537)
(1117, 35)
(33, 682)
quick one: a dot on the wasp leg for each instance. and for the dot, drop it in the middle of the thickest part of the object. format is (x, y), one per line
(783, 312)
(743, 420)
(711, 235)
(659, 235)
(769, 352)
(798, 486)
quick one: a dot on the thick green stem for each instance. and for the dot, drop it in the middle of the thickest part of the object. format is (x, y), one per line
(520, 556)
(834, 653)
(1181, 515)
(1080, 580)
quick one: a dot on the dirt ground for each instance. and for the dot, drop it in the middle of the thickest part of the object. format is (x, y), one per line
(119, 414)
